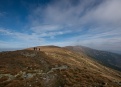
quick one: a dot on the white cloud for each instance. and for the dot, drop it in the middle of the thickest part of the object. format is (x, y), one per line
(101, 22)
(45, 28)
(27, 40)
(107, 12)
(18, 38)
(4, 31)
(2, 14)
(63, 14)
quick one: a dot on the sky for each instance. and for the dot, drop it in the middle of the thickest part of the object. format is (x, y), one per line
(92, 23)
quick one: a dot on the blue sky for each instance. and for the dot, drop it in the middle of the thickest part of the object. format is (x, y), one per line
(92, 23)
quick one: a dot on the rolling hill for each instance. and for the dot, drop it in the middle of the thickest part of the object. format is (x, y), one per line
(109, 59)
(53, 66)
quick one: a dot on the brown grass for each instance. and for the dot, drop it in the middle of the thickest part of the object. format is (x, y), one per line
(81, 71)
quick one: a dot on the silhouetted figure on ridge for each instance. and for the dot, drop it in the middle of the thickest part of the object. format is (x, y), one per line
(39, 49)
(34, 48)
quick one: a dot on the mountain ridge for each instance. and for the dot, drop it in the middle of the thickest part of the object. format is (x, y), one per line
(53, 66)
(109, 59)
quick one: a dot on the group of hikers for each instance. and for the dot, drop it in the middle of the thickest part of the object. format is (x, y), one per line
(35, 48)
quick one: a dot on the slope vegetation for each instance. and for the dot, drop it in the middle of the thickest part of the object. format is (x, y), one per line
(109, 59)
(53, 66)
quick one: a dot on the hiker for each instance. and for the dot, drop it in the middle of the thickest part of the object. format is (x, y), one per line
(39, 49)
(34, 48)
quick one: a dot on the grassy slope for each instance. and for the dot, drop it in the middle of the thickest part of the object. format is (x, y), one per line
(109, 59)
(53, 67)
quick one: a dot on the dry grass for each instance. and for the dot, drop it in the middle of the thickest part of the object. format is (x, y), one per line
(45, 66)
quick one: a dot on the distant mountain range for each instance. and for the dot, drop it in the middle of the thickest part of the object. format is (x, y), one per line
(114, 51)
(109, 59)
(9, 49)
